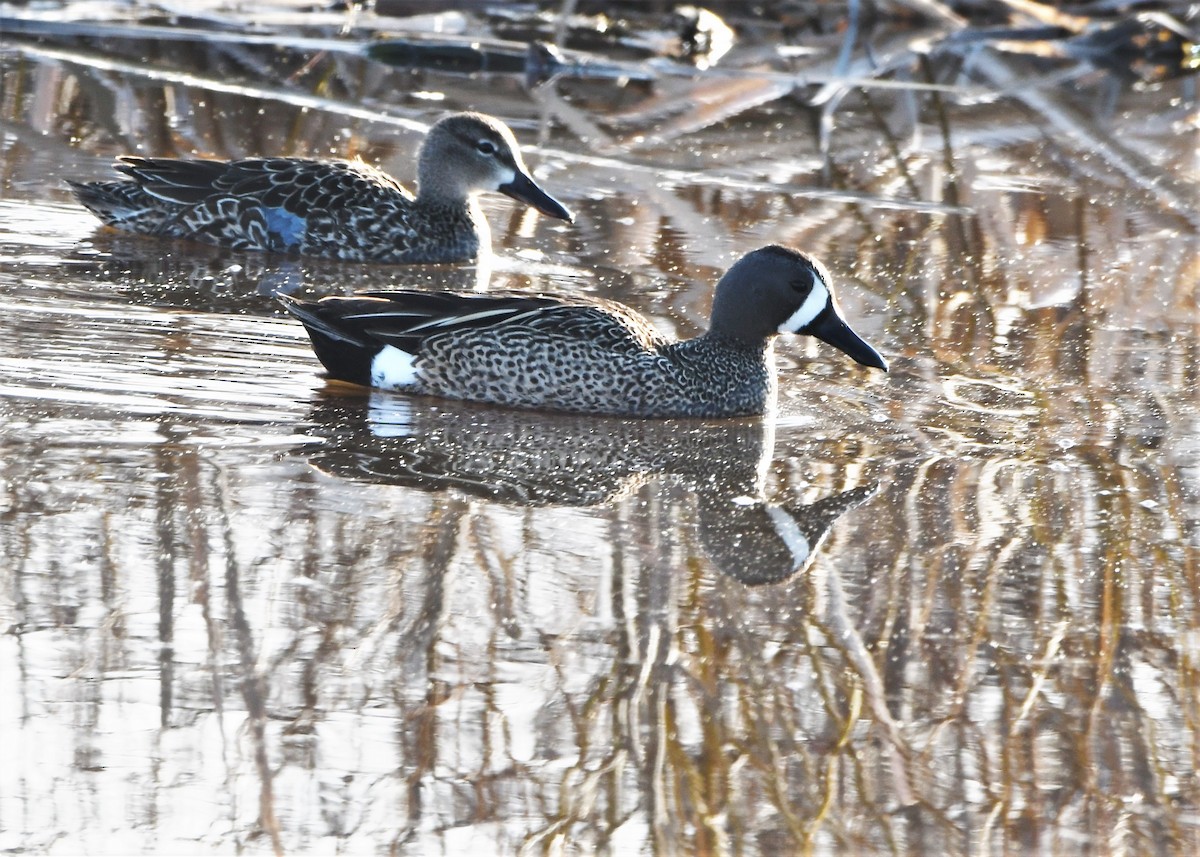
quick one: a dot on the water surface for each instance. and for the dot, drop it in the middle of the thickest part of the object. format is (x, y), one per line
(248, 610)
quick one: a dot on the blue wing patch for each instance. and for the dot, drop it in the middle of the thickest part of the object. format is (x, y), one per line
(284, 229)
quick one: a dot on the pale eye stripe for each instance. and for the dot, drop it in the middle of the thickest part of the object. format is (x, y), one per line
(789, 533)
(810, 309)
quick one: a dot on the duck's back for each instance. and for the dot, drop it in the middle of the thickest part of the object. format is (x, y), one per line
(597, 358)
(337, 209)
(536, 351)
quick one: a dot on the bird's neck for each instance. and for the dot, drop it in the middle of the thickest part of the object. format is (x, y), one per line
(723, 339)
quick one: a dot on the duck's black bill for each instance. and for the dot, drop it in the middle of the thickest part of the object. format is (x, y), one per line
(832, 328)
(522, 188)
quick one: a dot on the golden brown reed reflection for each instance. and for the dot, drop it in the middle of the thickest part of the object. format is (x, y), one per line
(211, 645)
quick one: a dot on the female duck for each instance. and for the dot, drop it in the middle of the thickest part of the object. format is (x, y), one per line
(576, 354)
(340, 209)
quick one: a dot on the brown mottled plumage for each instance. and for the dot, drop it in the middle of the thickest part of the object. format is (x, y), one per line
(336, 209)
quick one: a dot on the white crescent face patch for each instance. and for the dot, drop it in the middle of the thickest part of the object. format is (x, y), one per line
(393, 369)
(810, 309)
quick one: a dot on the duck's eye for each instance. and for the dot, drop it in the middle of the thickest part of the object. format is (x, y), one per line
(486, 147)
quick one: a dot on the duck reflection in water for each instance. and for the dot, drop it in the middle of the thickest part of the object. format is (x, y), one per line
(537, 459)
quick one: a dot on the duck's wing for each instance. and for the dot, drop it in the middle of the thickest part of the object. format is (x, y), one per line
(294, 184)
(405, 319)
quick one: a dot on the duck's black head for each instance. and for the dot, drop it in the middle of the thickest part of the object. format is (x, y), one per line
(776, 290)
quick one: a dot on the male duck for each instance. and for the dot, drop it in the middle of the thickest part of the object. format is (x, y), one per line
(576, 354)
(340, 210)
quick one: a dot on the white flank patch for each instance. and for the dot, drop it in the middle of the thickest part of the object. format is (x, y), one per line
(789, 532)
(393, 369)
(810, 309)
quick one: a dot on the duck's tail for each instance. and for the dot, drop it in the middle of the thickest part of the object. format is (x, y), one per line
(122, 204)
(344, 355)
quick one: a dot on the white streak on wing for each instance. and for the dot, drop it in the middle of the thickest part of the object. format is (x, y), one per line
(454, 320)
(789, 533)
(529, 313)
(129, 214)
(810, 309)
(379, 314)
(393, 369)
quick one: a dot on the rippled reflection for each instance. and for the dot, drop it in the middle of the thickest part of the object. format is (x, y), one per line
(554, 459)
(244, 610)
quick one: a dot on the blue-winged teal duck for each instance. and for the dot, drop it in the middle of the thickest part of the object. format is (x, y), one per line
(576, 354)
(340, 210)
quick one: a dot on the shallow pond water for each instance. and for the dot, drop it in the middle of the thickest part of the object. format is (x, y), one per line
(952, 609)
